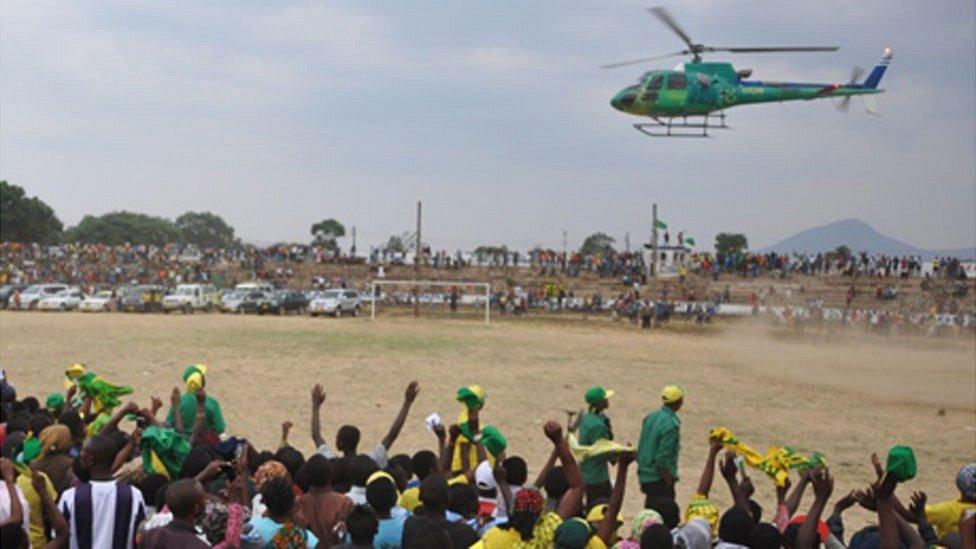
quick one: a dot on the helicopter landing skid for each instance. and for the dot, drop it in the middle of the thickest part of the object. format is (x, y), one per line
(679, 126)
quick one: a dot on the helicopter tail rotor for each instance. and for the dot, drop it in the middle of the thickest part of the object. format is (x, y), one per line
(845, 103)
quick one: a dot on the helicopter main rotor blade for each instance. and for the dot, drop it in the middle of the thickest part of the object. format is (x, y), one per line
(856, 74)
(773, 49)
(669, 21)
(644, 60)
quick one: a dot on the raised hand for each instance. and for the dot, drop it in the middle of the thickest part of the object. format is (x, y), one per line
(201, 395)
(37, 481)
(845, 502)
(823, 484)
(867, 498)
(553, 431)
(285, 427)
(174, 397)
(626, 458)
(130, 408)
(876, 464)
(318, 395)
(917, 506)
(728, 467)
(410, 394)
(155, 404)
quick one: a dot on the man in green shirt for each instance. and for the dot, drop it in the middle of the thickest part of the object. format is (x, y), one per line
(660, 443)
(195, 379)
(594, 425)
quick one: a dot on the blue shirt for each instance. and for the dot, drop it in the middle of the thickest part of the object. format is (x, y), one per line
(390, 532)
(267, 528)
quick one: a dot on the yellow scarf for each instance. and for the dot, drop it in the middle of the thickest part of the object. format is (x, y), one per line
(778, 459)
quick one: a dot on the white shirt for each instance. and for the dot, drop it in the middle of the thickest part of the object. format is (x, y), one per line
(103, 510)
(5, 505)
(377, 454)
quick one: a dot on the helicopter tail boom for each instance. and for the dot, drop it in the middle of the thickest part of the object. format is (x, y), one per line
(874, 78)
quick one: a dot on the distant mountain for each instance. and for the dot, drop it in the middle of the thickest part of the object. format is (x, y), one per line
(858, 236)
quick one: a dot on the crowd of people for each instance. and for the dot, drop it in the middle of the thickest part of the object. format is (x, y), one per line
(83, 469)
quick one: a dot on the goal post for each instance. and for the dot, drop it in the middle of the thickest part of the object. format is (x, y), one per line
(481, 295)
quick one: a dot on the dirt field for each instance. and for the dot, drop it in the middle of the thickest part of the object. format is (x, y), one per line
(845, 398)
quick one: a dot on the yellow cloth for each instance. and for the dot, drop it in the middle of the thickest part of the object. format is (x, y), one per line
(37, 538)
(194, 381)
(944, 516)
(598, 448)
(410, 499)
(73, 372)
(776, 463)
(498, 538)
(544, 533)
(703, 508)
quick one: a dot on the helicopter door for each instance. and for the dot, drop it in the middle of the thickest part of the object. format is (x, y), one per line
(653, 88)
(676, 91)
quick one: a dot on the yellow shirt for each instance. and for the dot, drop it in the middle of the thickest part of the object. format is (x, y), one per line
(37, 537)
(944, 516)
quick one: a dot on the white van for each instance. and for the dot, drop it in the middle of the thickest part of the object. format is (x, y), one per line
(191, 297)
(32, 295)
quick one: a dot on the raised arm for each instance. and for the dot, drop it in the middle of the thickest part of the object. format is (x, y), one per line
(729, 471)
(823, 485)
(793, 500)
(125, 454)
(571, 501)
(200, 420)
(16, 510)
(409, 396)
(917, 509)
(174, 401)
(118, 416)
(708, 473)
(50, 510)
(540, 480)
(609, 522)
(285, 429)
(887, 518)
(318, 398)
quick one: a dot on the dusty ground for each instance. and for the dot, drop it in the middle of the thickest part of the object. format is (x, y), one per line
(844, 397)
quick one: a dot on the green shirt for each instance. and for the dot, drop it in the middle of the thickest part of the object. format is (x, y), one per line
(660, 442)
(593, 427)
(214, 420)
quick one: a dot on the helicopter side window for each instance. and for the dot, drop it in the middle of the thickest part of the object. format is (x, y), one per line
(677, 81)
(655, 83)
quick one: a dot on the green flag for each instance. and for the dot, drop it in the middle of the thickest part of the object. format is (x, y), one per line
(690, 241)
(661, 225)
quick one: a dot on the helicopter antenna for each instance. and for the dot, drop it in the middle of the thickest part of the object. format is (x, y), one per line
(696, 50)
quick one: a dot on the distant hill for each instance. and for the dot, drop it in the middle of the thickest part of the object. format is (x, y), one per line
(858, 236)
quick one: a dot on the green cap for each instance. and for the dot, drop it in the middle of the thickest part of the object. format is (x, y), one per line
(597, 394)
(901, 463)
(574, 533)
(55, 401)
(492, 440)
(472, 396)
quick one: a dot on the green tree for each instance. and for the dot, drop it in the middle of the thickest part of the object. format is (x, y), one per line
(326, 232)
(25, 219)
(205, 229)
(396, 244)
(843, 251)
(730, 243)
(597, 243)
(120, 227)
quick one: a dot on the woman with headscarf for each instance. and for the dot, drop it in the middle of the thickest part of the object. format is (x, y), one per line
(194, 376)
(55, 461)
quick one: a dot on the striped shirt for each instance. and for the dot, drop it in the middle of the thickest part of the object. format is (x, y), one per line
(102, 514)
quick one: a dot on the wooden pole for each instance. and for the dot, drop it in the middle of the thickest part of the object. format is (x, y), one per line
(654, 241)
(416, 266)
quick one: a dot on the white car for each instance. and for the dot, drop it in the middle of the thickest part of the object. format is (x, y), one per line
(335, 303)
(67, 300)
(230, 302)
(100, 302)
(191, 297)
(32, 295)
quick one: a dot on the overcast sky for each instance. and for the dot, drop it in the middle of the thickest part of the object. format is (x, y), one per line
(277, 114)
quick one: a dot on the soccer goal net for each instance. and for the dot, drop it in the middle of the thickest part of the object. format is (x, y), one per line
(431, 298)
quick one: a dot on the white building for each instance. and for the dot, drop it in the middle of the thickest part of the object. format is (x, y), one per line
(670, 258)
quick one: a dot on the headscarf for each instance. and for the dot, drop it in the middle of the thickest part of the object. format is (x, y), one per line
(193, 376)
(289, 536)
(901, 463)
(55, 439)
(574, 533)
(492, 440)
(642, 521)
(966, 481)
(528, 499)
(703, 508)
(163, 451)
(73, 372)
(268, 470)
(54, 402)
(472, 396)
(215, 518)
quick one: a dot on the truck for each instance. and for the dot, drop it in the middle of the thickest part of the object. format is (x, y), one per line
(191, 297)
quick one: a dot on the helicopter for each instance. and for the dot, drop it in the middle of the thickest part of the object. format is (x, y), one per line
(689, 101)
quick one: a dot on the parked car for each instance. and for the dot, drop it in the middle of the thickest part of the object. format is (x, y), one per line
(6, 291)
(276, 302)
(67, 300)
(255, 301)
(230, 301)
(31, 295)
(336, 303)
(101, 302)
(143, 298)
(191, 297)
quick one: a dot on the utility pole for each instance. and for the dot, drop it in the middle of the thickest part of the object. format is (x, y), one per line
(352, 252)
(565, 258)
(653, 264)
(416, 267)
(627, 242)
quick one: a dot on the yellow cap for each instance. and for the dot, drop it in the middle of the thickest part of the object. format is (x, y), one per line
(410, 499)
(597, 513)
(671, 394)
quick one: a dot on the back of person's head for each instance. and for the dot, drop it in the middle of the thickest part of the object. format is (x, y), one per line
(347, 438)
(362, 524)
(185, 498)
(423, 463)
(81, 471)
(13, 443)
(31, 404)
(434, 493)
(277, 495)
(790, 533)
(39, 421)
(756, 511)
(196, 461)
(516, 471)
(381, 494)
(301, 478)
(405, 463)
(20, 423)
(258, 460)
(555, 483)
(13, 535)
(361, 468)
(150, 485)
(291, 458)
(72, 420)
(463, 500)
(99, 452)
(318, 471)
(399, 477)
(341, 475)
(668, 509)
(430, 535)
(119, 439)
(656, 536)
(736, 526)
(765, 536)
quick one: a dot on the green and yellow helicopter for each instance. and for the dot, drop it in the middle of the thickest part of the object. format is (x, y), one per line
(689, 102)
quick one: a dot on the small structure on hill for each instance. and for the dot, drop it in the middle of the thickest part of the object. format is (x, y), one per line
(670, 259)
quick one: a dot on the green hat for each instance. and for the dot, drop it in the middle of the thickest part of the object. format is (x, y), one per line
(55, 401)
(472, 396)
(901, 463)
(31, 449)
(574, 533)
(597, 394)
(492, 440)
